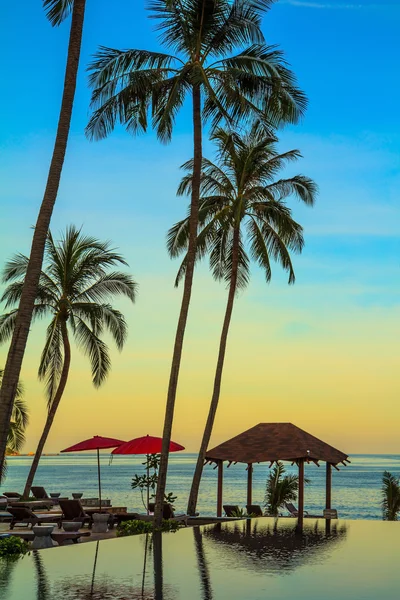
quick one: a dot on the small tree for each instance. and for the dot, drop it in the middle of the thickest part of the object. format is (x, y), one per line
(148, 481)
(390, 497)
(280, 488)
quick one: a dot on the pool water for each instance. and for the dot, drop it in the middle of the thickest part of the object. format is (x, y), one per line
(246, 560)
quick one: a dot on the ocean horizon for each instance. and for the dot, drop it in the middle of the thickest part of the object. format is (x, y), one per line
(355, 488)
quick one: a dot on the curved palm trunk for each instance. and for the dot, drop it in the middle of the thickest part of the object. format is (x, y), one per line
(187, 291)
(52, 411)
(194, 491)
(25, 309)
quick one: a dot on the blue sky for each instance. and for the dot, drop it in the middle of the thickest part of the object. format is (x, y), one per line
(345, 55)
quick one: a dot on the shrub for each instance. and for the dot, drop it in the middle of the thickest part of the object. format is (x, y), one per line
(12, 547)
(168, 525)
(137, 527)
(134, 528)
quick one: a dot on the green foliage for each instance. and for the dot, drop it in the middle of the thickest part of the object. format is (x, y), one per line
(137, 527)
(148, 481)
(75, 288)
(241, 193)
(390, 502)
(170, 526)
(18, 425)
(134, 527)
(241, 513)
(12, 547)
(57, 10)
(280, 488)
(216, 45)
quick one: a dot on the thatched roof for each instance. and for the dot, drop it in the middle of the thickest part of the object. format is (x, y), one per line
(275, 441)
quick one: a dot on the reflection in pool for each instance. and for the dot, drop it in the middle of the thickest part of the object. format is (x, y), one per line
(246, 560)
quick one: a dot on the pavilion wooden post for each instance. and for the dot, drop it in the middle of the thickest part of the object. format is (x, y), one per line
(219, 489)
(328, 494)
(301, 495)
(249, 483)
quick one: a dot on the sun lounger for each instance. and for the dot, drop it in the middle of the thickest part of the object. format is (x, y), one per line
(295, 513)
(40, 493)
(330, 513)
(12, 495)
(231, 510)
(73, 511)
(32, 504)
(168, 514)
(25, 516)
(254, 509)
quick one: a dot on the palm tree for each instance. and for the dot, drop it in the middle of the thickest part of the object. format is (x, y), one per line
(241, 203)
(18, 424)
(74, 291)
(390, 497)
(280, 488)
(203, 35)
(57, 11)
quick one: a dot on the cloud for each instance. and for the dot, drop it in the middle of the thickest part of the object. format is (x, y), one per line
(338, 5)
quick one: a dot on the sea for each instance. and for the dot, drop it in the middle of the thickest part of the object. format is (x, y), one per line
(356, 489)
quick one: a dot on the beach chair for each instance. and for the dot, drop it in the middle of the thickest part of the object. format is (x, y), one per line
(73, 511)
(330, 513)
(254, 509)
(231, 510)
(12, 495)
(40, 493)
(25, 516)
(295, 513)
(168, 514)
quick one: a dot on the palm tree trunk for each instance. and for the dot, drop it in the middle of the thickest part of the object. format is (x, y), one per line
(187, 291)
(25, 309)
(194, 491)
(52, 410)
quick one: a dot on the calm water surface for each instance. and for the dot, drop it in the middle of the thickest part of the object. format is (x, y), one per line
(356, 488)
(246, 560)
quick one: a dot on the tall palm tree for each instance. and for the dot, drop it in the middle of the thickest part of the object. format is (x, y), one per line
(18, 424)
(57, 11)
(390, 497)
(75, 288)
(203, 36)
(242, 211)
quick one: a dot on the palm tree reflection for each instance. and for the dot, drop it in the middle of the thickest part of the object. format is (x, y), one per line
(204, 571)
(42, 584)
(271, 548)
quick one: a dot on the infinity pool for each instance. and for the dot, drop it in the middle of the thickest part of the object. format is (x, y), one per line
(246, 560)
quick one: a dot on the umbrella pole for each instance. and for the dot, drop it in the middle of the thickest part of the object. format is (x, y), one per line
(148, 487)
(98, 472)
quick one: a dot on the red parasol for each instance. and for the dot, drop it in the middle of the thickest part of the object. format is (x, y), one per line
(97, 442)
(147, 444)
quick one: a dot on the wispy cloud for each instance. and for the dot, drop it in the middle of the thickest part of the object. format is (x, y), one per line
(339, 5)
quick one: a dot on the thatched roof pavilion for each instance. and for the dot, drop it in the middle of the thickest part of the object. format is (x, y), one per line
(270, 442)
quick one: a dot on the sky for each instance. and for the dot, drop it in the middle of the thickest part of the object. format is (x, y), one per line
(322, 354)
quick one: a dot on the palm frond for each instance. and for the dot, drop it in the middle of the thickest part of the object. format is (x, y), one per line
(52, 359)
(390, 502)
(95, 349)
(7, 324)
(57, 10)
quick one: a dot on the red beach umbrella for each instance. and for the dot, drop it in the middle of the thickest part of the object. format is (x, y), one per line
(97, 442)
(148, 444)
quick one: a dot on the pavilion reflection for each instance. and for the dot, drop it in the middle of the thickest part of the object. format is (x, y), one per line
(274, 545)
